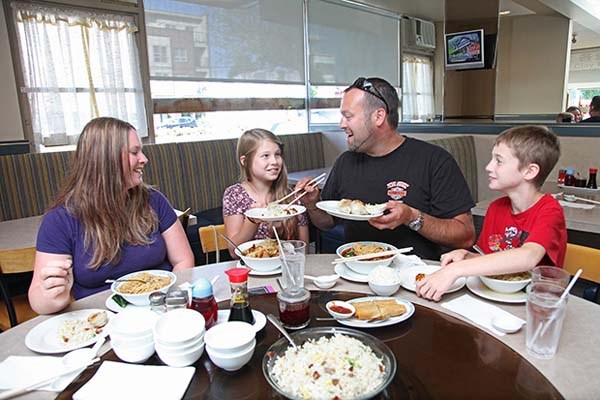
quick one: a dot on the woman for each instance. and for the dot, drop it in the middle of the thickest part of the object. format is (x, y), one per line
(263, 180)
(105, 222)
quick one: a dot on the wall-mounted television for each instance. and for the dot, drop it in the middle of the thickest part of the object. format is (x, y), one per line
(465, 50)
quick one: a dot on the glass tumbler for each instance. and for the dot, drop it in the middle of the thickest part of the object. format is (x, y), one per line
(545, 316)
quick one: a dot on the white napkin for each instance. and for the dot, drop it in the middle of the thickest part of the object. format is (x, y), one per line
(402, 260)
(21, 371)
(116, 380)
(575, 205)
(478, 311)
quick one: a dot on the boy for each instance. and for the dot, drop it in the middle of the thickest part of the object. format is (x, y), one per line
(525, 228)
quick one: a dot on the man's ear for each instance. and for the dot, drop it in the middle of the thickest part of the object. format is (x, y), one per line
(531, 171)
(379, 116)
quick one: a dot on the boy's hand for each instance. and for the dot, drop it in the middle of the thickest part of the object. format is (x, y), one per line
(454, 256)
(433, 286)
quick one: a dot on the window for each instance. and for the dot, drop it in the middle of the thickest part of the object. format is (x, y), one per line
(159, 54)
(417, 88)
(77, 65)
(181, 55)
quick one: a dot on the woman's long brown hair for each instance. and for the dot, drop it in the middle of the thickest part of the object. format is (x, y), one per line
(247, 146)
(96, 192)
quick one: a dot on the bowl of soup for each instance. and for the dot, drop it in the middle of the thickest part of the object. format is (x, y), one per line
(361, 248)
(507, 283)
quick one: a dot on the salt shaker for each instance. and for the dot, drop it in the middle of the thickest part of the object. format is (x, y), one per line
(176, 299)
(157, 302)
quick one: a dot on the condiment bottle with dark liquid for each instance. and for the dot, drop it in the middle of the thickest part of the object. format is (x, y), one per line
(204, 302)
(240, 307)
(591, 184)
(570, 177)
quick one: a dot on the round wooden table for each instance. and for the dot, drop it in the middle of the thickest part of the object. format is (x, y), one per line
(437, 355)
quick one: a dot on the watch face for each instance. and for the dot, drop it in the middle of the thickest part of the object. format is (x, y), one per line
(417, 223)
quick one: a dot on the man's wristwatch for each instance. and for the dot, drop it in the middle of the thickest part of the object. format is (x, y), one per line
(417, 224)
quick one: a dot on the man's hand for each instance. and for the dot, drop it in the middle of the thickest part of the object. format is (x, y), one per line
(312, 195)
(399, 214)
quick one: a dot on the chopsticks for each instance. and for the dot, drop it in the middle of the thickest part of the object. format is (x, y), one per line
(587, 200)
(299, 197)
(372, 255)
(312, 182)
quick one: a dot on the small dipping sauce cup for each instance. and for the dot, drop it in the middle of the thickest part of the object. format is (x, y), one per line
(294, 308)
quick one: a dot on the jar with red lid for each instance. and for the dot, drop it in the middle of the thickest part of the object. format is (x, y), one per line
(591, 184)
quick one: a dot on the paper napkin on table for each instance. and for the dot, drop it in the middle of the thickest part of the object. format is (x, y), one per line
(575, 205)
(21, 371)
(403, 260)
(478, 311)
(117, 380)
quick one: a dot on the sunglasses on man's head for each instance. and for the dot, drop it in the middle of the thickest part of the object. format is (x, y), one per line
(365, 85)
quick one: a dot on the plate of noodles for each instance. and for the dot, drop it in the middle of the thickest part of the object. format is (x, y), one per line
(354, 210)
(137, 286)
(351, 365)
(68, 331)
(275, 212)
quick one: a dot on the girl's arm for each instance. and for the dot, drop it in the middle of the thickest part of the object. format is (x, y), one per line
(303, 234)
(239, 229)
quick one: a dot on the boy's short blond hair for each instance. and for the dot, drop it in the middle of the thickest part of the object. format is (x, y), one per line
(533, 144)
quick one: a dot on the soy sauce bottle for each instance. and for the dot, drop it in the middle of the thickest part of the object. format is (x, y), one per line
(240, 306)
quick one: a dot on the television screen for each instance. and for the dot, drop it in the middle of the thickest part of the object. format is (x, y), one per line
(465, 50)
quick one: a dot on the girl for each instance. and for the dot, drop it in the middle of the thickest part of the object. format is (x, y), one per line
(263, 180)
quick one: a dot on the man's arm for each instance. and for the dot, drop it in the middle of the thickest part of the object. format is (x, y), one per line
(318, 217)
(457, 232)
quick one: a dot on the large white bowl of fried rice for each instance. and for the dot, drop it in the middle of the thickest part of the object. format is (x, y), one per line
(330, 363)
(137, 293)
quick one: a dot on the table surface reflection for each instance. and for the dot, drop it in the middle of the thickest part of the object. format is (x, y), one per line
(438, 356)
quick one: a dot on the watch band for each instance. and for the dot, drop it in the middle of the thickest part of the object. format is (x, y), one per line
(417, 224)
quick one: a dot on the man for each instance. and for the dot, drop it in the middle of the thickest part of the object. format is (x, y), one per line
(594, 110)
(428, 200)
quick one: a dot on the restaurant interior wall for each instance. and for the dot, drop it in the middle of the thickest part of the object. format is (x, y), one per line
(469, 94)
(532, 63)
(9, 112)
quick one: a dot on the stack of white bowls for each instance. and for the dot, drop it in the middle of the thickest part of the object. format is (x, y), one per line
(179, 337)
(230, 345)
(131, 334)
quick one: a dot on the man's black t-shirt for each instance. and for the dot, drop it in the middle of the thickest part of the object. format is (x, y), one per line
(420, 174)
(591, 119)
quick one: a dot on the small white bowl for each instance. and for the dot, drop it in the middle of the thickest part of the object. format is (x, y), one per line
(179, 327)
(131, 341)
(142, 298)
(504, 286)
(384, 281)
(257, 264)
(170, 347)
(364, 267)
(132, 322)
(137, 354)
(230, 336)
(231, 361)
(343, 304)
(181, 359)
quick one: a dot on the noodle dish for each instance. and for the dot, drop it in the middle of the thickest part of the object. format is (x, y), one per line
(260, 255)
(141, 284)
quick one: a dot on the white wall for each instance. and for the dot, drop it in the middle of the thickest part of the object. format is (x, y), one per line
(9, 112)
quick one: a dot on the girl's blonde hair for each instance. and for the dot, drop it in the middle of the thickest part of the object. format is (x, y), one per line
(247, 146)
(96, 192)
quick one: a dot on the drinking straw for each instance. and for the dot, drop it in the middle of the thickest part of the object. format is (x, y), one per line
(284, 261)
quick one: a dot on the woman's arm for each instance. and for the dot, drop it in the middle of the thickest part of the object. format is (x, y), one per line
(50, 289)
(179, 251)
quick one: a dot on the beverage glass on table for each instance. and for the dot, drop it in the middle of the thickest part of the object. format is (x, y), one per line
(294, 299)
(293, 260)
(553, 275)
(545, 316)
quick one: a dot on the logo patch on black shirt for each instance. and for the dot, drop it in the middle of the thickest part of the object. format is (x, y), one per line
(397, 190)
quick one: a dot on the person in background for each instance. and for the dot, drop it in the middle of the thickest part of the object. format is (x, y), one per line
(565, 117)
(594, 110)
(263, 178)
(576, 113)
(105, 222)
(427, 199)
(522, 230)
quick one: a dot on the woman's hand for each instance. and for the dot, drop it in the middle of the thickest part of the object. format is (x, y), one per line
(56, 278)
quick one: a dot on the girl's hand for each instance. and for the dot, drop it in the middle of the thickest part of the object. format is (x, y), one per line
(57, 277)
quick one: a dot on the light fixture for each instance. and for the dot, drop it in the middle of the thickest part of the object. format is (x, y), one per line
(574, 38)
(504, 12)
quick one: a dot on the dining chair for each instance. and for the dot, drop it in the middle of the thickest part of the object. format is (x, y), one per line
(184, 218)
(17, 306)
(210, 240)
(588, 259)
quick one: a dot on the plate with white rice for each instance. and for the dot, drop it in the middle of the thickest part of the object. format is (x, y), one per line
(67, 332)
(330, 363)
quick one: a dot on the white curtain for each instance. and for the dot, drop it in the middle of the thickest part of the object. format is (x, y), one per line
(417, 88)
(78, 65)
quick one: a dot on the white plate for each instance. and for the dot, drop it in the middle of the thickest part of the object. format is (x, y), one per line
(259, 273)
(259, 319)
(113, 306)
(331, 208)
(264, 214)
(357, 323)
(349, 275)
(43, 338)
(408, 277)
(580, 189)
(475, 285)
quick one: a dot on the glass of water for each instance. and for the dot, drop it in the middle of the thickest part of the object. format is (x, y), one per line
(293, 260)
(545, 316)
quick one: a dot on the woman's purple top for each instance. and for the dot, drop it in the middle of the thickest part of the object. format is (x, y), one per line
(236, 201)
(62, 233)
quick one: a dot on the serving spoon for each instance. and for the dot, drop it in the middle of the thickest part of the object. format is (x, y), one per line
(273, 319)
(325, 281)
(234, 245)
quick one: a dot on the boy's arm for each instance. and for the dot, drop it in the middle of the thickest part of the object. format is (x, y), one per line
(520, 259)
